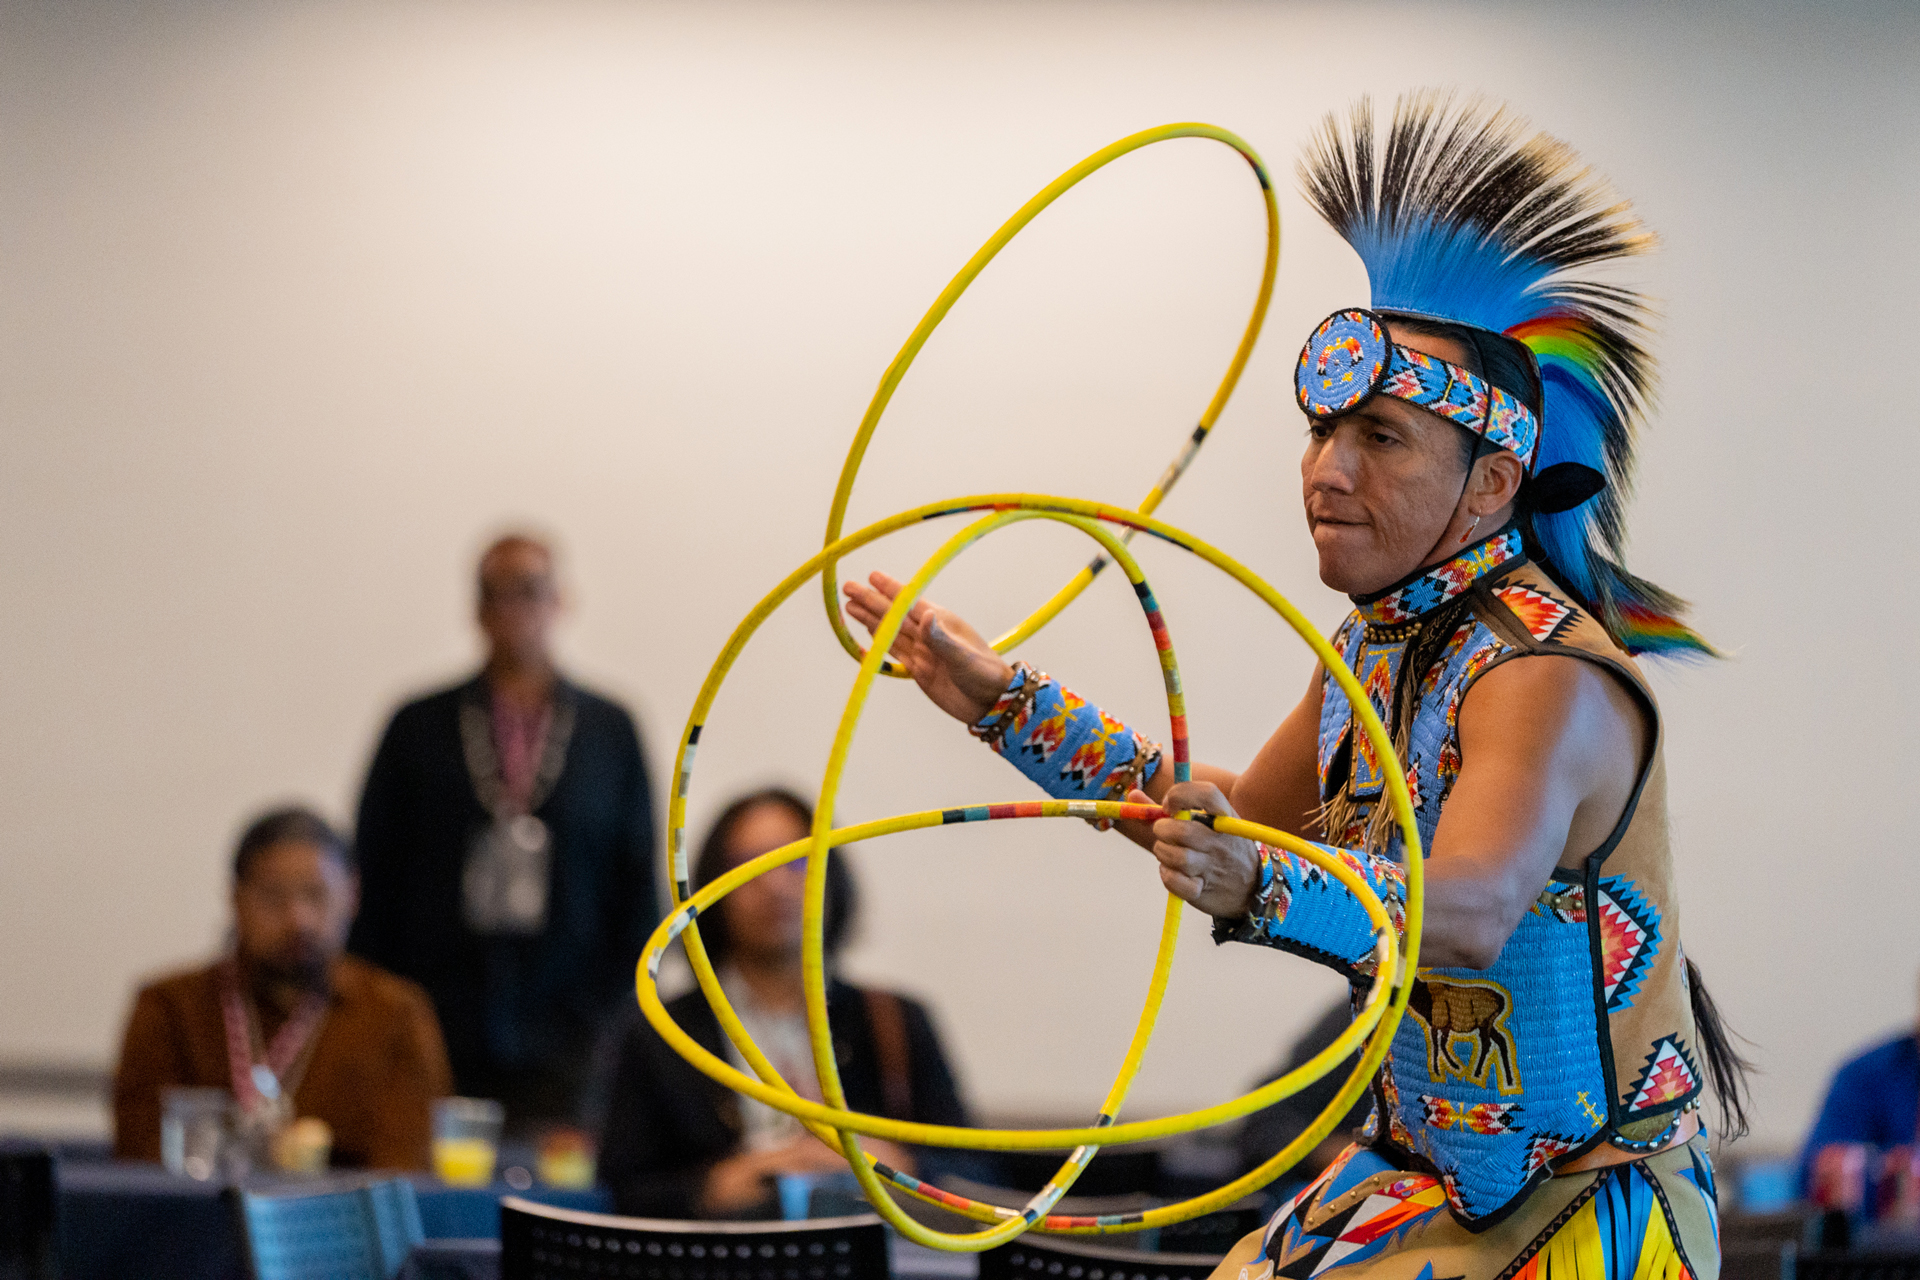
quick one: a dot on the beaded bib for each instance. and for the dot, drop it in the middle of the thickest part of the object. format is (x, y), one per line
(1582, 1030)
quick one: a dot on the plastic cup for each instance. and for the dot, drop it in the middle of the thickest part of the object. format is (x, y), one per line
(466, 1140)
(196, 1131)
(565, 1159)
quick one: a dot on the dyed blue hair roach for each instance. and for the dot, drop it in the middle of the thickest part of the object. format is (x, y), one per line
(1467, 217)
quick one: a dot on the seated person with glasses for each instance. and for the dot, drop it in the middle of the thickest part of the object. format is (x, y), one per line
(297, 1030)
(679, 1145)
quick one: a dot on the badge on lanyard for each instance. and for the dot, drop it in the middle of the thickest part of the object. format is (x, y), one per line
(505, 883)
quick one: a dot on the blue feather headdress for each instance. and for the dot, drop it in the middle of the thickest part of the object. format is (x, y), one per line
(1468, 218)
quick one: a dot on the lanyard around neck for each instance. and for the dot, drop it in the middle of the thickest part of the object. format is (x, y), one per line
(258, 1075)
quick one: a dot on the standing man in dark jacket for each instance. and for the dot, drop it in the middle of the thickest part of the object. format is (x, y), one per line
(506, 850)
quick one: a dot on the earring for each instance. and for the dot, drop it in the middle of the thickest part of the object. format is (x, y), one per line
(1470, 529)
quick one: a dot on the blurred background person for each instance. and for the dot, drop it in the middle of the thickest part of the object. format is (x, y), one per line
(506, 851)
(293, 1027)
(1872, 1109)
(679, 1145)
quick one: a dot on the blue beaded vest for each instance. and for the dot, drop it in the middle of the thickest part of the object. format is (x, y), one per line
(1581, 1032)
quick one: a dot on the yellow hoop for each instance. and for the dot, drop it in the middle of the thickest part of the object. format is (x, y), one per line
(883, 395)
(830, 1120)
(835, 1125)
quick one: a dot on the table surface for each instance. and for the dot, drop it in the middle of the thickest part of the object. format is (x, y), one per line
(120, 1220)
(127, 1219)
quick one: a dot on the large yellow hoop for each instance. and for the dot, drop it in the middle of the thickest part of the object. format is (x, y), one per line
(883, 395)
(1394, 959)
(835, 1125)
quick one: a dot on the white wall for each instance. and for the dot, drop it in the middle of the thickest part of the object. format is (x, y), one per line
(299, 301)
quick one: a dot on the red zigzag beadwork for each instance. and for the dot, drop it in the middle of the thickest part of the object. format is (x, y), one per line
(1669, 1075)
(1629, 939)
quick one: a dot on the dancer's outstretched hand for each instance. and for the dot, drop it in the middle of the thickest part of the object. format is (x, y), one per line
(947, 658)
(1216, 873)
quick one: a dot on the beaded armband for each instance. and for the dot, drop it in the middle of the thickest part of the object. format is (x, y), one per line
(1072, 749)
(1300, 908)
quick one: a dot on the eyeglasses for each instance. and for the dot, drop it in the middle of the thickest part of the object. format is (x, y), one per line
(521, 591)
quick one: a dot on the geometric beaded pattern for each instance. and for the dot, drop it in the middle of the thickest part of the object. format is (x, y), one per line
(1669, 1075)
(1072, 749)
(1501, 1069)
(1542, 615)
(1378, 669)
(1341, 364)
(1435, 586)
(1629, 940)
(1494, 1074)
(1379, 1206)
(1463, 398)
(1315, 915)
(1365, 1209)
(1349, 357)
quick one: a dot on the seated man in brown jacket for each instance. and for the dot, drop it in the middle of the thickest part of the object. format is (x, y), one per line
(294, 1027)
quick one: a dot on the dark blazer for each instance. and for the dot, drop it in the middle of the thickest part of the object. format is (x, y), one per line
(520, 1014)
(667, 1124)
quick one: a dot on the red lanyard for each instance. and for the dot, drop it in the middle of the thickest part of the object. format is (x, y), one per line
(285, 1050)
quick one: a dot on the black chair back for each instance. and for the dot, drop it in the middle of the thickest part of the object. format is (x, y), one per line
(1216, 1232)
(542, 1243)
(1756, 1259)
(26, 1215)
(1132, 1171)
(1061, 1258)
(1856, 1264)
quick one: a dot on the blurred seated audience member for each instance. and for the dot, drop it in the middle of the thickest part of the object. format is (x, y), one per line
(286, 1021)
(1264, 1133)
(506, 847)
(1873, 1103)
(679, 1145)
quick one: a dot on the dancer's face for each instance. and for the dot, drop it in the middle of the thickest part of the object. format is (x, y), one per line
(1382, 485)
(763, 915)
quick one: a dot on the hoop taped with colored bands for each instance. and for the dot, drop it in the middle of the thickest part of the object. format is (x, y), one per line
(1027, 212)
(1371, 1032)
(838, 1127)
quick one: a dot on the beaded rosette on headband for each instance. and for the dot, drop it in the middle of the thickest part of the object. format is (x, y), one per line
(1349, 359)
(1463, 216)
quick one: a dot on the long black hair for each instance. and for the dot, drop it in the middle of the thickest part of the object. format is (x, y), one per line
(715, 860)
(1726, 1068)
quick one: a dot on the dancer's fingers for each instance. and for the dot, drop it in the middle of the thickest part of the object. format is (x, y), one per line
(868, 606)
(863, 601)
(1204, 797)
(1181, 885)
(1180, 857)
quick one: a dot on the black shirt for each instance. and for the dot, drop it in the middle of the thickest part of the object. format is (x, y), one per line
(667, 1124)
(519, 1013)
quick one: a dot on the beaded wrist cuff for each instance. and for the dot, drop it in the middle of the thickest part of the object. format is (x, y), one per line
(1065, 744)
(1300, 908)
(1015, 701)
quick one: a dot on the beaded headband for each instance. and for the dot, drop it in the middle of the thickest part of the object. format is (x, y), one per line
(1349, 359)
